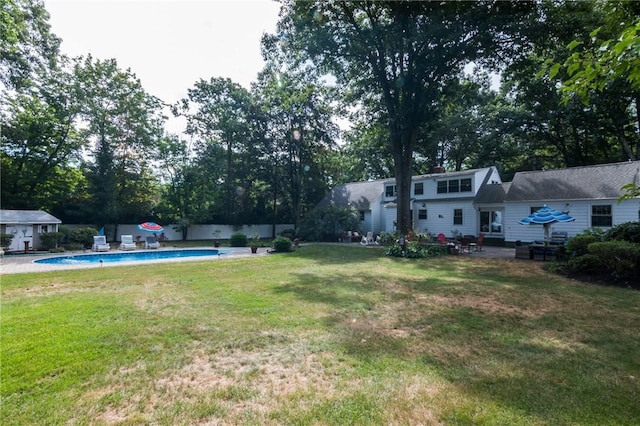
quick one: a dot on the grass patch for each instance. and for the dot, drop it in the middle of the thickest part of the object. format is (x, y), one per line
(324, 335)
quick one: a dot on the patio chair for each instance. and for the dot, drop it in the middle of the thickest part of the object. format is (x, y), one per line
(368, 240)
(479, 241)
(100, 243)
(442, 239)
(127, 243)
(150, 242)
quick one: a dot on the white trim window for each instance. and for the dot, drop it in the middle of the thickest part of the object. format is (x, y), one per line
(390, 190)
(601, 216)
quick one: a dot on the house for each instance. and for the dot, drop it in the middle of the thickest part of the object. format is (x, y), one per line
(26, 227)
(440, 202)
(473, 201)
(588, 193)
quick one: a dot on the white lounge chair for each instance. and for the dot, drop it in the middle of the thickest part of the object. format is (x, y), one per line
(100, 243)
(368, 240)
(126, 242)
(151, 243)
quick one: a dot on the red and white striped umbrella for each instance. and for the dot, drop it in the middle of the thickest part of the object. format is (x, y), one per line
(150, 227)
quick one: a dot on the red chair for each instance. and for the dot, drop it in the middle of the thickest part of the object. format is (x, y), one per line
(442, 239)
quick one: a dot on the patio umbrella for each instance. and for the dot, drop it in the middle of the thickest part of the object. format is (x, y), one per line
(150, 227)
(545, 217)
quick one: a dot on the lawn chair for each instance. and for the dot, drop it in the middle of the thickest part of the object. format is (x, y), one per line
(368, 240)
(100, 243)
(150, 242)
(127, 243)
(442, 239)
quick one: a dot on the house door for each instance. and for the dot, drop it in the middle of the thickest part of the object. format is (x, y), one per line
(491, 222)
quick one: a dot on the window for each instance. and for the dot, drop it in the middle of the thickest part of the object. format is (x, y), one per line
(601, 215)
(361, 212)
(532, 210)
(457, 216)
(454, 185)
(418, 188)
(422, 214)
(390, 191)
(44, 229)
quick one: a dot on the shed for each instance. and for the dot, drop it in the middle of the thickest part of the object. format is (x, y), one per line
(26, 226)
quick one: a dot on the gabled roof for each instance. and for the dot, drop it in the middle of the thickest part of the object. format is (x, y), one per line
(359, 195)
(575, 183)
(491, 194)
(27, 217)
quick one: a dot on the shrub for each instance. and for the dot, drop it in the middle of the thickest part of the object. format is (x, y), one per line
(82, 236)
(328, 224)
(5, 240)
(578, 245)
(587, 263)
(238, 239)
(628, 231)
(388, 239)
(281, 244)
(51, 240)
(288, 233)
(621, 258)
(416, 251)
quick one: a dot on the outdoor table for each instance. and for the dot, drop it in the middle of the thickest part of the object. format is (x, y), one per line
(547, 250)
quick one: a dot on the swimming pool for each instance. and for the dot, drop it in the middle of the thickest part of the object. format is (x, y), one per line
(85, 259)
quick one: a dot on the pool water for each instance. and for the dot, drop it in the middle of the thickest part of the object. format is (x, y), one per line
(83, 259)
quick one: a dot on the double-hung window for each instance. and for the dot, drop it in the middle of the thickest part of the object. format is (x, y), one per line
(601, 215)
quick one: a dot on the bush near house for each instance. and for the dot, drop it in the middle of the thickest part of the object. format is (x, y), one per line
(328, 224)
(51, 240)
(5, 240)
(614, 254)
(77, 238)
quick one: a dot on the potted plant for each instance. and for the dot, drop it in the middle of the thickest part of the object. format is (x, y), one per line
(216, 238)
(255, 242)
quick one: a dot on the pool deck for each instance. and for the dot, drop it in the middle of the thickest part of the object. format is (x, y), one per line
(21, 263)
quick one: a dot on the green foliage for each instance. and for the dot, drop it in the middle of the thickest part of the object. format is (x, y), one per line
(629, 231)
(415, 250)
(83, 236)
(328, 224)
(388, 239)
(51, 240)
(288, 233)
(620, 258)
(238, 239)
(578, 244)
(5, 240)
(281, 244)
(586, 263)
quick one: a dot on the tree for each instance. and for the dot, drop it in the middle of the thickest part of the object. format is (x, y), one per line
(611, 55)
(299, 135)
(27, 47)
(218, 115)
(123, 125)
(40, 144)
(401, 53)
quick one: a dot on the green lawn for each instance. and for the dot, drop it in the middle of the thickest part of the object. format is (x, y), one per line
(325, 335)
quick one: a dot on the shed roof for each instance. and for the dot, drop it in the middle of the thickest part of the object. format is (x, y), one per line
(575, 183)
(27, 216)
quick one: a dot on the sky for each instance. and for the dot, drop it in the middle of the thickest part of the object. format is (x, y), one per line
(168, 44)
